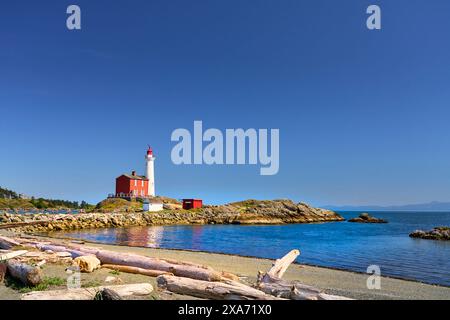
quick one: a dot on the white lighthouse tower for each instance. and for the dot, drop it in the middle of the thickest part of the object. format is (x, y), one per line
(150, 173)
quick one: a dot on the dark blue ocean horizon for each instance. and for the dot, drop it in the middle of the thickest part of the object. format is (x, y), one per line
(341, 245)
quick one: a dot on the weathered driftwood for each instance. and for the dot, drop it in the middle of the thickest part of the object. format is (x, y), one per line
(177, 275)
(226, 290)
(41, 263)
(28, 275)
(281, 265)
(135, 270)
(271, 283)
(12, 254)
(182, 269)
(139, 289)
(8, 243)
(294, 290)
(58, 248)
(229, 276)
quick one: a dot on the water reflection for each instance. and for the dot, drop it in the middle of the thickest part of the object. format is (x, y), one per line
(140, 236)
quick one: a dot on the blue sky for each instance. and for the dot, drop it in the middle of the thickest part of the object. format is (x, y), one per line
(363, 115)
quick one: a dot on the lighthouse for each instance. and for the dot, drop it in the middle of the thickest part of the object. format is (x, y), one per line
(150, 173)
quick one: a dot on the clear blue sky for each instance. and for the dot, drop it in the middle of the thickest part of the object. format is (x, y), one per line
(363, 115)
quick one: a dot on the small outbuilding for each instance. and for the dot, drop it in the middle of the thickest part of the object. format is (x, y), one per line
(152, 206)
(192, 204)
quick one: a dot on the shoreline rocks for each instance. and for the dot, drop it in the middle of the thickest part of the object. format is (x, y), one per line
(366, 218)
(245, 212)
(438, 233)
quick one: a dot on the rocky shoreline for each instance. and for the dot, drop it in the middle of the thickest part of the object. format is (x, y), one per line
(245, 212)
(438, 233)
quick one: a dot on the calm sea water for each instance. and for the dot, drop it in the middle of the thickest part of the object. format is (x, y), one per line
(343, 245)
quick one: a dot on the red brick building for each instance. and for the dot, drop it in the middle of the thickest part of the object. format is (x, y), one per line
(131, 186)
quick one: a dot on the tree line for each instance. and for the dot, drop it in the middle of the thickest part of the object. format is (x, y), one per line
(42, 203)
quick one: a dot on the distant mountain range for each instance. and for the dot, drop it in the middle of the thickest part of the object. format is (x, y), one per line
(430, 206)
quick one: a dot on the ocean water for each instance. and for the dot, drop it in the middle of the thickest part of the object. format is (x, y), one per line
(342, 245)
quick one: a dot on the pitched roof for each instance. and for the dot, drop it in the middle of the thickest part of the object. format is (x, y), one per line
(129, 176)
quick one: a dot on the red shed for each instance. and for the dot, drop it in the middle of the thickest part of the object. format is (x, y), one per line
(131, 186)
(192, 203)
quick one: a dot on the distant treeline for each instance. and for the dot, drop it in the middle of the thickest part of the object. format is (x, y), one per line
(8, 194)
(42, 203)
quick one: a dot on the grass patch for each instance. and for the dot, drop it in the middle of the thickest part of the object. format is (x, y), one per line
(46, 284)
(91, 283)
(20, 247)
(55, 281)
(115, 272)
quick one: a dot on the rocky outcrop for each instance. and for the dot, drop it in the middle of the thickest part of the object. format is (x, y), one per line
(366, 218)
(439, 233)
(245, 212)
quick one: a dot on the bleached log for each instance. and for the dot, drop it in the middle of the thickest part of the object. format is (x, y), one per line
(286, 289)
(41, 263)
(139, 289)
(189, 271)
(12, 254)
(324, 296)
(226, 290)
(229, 276)
(281, 265)
(56, 248)
(271, 283)
(178, 268)
(134, 270)
(7, 243)
(27, 274)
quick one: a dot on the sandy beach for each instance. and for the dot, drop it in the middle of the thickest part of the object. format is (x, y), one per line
(344, 283)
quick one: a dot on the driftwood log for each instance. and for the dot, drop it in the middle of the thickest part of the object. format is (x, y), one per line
(225, 290)
(139, 289)
(12, 254)
(192, 279)
(178, 268)
(28, 275)
(182, 269)
(281, 265)
(135, 270)
(8, 243)
(271, 283)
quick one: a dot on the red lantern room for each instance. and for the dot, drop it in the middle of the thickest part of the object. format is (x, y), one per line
(149, 151)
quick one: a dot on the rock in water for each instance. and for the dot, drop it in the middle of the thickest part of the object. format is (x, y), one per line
(366, 218)
(87, 263)
(439, 233)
